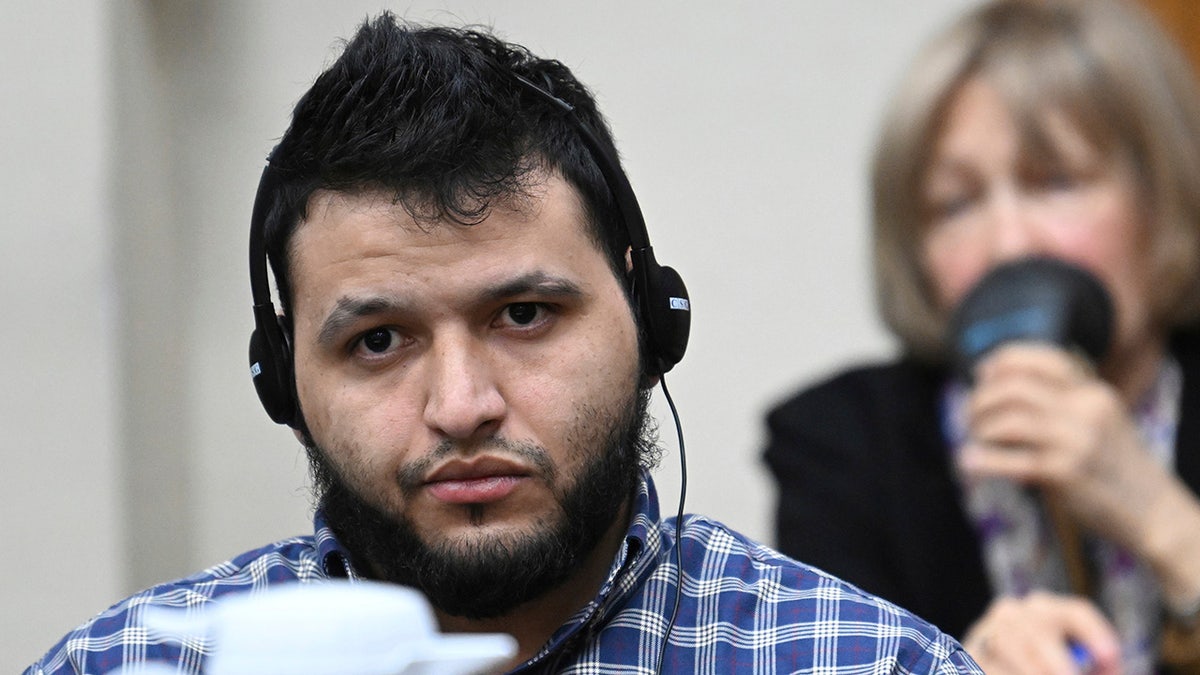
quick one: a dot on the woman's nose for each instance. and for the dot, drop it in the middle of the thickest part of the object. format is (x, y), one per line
(1013, 229)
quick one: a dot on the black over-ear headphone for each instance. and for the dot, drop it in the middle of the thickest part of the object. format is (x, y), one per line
(270, 345)
(659, 295)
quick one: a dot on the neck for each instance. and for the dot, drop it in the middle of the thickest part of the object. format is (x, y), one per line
(533, 622)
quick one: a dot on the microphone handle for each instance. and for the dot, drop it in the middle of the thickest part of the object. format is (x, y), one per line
(1070, 542)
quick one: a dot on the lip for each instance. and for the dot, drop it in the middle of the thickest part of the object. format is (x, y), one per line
(482, 467)
(477, 481)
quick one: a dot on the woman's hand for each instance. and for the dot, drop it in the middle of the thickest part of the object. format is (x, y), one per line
(1039, 415)
(1034, 634)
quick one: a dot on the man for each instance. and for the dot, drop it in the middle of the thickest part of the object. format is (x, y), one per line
(463, 355)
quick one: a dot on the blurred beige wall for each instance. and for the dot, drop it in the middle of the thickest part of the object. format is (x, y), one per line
(58, 298)
(134, 133)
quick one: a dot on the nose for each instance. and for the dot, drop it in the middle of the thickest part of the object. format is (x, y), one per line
(464, 401)
(1013, 230)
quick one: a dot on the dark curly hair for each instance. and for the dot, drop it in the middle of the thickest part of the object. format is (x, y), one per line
(436, 117)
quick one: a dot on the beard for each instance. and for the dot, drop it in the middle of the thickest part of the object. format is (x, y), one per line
(487, 577)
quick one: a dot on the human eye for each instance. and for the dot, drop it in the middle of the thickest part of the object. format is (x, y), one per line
(377, 343)
(524, 315)
(1057, 174)
(948, 189)
(1057, 180)
(947, 206)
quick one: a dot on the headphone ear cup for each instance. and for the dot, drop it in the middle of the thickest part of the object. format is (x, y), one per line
(668, 313)
(271, 370)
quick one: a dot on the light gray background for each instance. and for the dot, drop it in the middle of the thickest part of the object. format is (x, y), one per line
(133, 134)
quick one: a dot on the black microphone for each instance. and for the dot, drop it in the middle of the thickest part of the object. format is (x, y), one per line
(1047, 300)
(1037, 298)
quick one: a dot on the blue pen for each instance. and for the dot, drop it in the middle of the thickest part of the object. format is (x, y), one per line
(1080, 655)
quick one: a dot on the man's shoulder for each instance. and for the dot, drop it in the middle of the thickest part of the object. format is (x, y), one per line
(812, 614)
(719, 550)
(116, 636)
(284, 561)
(792, 585)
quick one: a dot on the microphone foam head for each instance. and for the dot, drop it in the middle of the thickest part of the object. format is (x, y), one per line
(1038, 298)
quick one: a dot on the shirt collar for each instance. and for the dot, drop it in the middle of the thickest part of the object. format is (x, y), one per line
(639, 551)
(635, 561)
(335, 559)
(643, 544)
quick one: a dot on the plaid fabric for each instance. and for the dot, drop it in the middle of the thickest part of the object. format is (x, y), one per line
(744, 608)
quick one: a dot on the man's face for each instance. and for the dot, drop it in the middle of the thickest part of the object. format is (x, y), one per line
(458, 381)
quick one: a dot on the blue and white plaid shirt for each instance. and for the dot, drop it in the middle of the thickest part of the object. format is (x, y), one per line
(744, 609)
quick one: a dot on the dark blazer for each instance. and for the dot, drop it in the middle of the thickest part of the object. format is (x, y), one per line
(866, 489)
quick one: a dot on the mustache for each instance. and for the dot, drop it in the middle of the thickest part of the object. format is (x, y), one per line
(411, 476)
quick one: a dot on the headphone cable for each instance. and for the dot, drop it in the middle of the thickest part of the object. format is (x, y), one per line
(662, 380)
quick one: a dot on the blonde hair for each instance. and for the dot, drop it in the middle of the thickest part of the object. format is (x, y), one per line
(1113, 73)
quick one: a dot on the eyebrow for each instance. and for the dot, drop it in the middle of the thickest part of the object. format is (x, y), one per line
(350, 309)
(537, 283)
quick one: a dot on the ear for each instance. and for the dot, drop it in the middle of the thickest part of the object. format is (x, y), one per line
(628, 259)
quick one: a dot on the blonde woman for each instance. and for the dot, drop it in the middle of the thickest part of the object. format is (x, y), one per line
(1028, 128)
